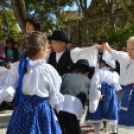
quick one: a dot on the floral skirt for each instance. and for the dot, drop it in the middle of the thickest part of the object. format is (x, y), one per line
(108, 109)
(33, 115)
(126, 115)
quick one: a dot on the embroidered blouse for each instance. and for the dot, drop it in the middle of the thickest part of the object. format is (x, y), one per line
(41, 80)
(126, 67)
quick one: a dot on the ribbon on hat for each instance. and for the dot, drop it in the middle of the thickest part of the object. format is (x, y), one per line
(23, 63)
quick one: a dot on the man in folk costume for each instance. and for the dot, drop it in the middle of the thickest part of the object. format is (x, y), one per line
(61, 58)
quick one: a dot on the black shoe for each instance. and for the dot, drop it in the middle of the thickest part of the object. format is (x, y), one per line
(113, 133)
(104, 124)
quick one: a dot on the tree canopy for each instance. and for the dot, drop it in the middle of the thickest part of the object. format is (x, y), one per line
(8, 23)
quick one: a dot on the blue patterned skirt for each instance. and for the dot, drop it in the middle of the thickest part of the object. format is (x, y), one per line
(126, 115)
(33, 115)
(108, 109)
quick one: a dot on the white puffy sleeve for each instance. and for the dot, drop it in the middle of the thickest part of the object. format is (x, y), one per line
(3, 74)
(89, 53)
(120, 56)
(55, 98)
(7, 90)
(94, 92)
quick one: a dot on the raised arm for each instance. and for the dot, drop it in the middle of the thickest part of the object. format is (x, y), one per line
(94, 92)
(8, 89)
(89, 53)
(107, 47)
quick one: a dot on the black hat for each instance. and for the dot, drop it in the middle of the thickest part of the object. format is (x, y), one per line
(81, 63)
(59, 35)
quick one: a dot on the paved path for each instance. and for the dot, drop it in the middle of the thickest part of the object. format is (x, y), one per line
(5, 117)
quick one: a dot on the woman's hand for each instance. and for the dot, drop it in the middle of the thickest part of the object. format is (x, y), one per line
(9, 58)
(101, 97)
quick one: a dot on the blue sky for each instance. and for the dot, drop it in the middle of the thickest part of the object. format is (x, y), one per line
(74, 7)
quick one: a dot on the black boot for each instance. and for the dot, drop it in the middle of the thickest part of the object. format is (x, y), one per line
(104, 124)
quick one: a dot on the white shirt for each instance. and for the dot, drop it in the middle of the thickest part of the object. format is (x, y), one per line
(58, 56)
(105, 75)
(126, 67)
(71, 105)
(41, 80)
(89, 53)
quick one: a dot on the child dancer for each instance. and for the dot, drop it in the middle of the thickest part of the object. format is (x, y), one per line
(75, 87)
(35, 86)
(126, 60)
(61, 58)
(108, 82)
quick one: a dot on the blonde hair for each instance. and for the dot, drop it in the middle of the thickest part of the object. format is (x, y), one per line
(131, 39)
(33, 42)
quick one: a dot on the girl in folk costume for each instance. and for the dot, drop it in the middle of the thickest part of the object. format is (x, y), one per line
(108, 82)
(126, 60)
(35, 86)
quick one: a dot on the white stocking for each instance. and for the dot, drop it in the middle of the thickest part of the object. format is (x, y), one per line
(97, 127)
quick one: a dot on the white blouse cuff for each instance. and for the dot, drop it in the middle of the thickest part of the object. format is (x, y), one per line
(117, 87)
(55, 100)
(7, 94)
(94, 98)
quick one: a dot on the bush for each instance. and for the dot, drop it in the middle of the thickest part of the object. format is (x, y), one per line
(116, 36)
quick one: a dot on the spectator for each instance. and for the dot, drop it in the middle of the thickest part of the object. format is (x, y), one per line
(84, 44)
(69, 46)
(104, 39)
(2, 53)
(123, 49)
(32, 25)
(12, 54)
(120, 47)
(98, 41)
(116, 48)
(89, 44)
(16, 45)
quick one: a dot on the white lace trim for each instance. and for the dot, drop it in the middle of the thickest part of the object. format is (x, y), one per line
(94, 121)
(123, 126)
(122, 108)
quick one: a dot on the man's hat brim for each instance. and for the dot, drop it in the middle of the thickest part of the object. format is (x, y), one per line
(54, 38)
(87, 68)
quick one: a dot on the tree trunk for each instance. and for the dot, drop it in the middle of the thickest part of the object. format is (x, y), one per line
(23, 9)
(127, 10)
(19, 12)
(85, 27)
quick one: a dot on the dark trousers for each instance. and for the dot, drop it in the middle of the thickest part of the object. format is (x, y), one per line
(69, 123)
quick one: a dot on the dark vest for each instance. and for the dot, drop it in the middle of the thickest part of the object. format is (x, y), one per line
(63, 66)
(76, 85)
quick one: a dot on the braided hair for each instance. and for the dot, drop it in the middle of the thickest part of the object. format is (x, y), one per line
(33, 42)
